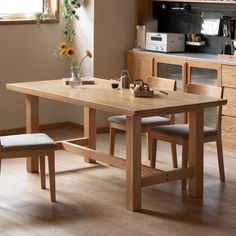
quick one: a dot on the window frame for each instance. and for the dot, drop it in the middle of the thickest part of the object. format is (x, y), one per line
(53, 18)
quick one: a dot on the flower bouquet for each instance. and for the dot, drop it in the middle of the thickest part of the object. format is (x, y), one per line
(65, 49)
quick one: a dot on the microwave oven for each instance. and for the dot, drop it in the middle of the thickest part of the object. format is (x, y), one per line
(165, 42)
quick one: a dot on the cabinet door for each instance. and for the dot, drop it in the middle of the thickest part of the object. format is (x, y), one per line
(229, 76)
(171, 68)
(204, 73)
(229, 132)
(230, 108)
(139, 65)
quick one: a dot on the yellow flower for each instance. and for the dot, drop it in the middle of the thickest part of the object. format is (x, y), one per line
(62, 46)
(61, 50)
(88, 53)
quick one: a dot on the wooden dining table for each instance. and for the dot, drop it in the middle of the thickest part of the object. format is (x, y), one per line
(101, 96)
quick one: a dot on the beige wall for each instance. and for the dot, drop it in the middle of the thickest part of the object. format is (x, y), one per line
(106, 27)
(111, 26)
(26, 55)
(114, 31)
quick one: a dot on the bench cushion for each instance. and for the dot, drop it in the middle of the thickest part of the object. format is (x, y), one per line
(146, 121)
(181, 130)
(23, 142)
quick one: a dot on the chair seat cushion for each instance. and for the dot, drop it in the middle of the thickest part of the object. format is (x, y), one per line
(181, 130)
(146, 121)
(23, 142)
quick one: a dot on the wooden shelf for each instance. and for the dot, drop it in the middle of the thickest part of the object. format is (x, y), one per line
(202, 43)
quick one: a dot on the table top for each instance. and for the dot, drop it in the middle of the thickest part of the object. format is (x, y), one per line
(121, 101)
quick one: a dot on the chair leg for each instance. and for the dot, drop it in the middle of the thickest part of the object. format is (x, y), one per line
(51, 168)
(42, 172)
(184, 163)
(147, 143)
(174, 155)
(112, 136)
(152, 148)
(220, 159)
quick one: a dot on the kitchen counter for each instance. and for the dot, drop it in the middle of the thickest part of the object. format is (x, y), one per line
(193, 56)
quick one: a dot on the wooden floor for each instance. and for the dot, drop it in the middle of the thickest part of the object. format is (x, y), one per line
(91, 199)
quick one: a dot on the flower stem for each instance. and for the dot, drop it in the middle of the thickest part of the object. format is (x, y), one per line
(80, 64)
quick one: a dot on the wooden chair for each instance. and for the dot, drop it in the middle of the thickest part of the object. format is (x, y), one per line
(179, 133)
(36, 145)
(119, 122)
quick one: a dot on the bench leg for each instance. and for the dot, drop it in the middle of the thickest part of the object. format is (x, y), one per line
(51, 168)
(42, 171)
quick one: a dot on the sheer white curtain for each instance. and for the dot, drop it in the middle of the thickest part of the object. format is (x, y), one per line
(20, 6)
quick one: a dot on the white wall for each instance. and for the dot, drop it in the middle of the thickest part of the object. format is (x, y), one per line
(27, 55)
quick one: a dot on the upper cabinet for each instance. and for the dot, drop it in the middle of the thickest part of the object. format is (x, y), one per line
(144, 7)
(200, 1)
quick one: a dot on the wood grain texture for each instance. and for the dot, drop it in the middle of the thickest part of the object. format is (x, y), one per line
(228, 132)
(90, 129)
(95, 97)
(196, 152)
(120, 102)
(133, 162)
(90, 198)
(228, 76)
(202, 64)
(139, 66)
(32, 126)
(230, 108)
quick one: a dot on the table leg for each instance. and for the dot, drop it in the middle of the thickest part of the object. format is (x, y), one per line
(90, 129)
(133, 160)
(196, 141)
(32, 126)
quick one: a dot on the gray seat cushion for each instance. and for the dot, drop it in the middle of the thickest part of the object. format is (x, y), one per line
(146, 121)
(23, 142)
(181, 130)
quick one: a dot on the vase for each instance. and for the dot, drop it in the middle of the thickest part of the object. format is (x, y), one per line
(76, 81)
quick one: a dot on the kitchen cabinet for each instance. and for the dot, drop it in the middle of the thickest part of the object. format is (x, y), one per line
(229, 110)
(185, 68)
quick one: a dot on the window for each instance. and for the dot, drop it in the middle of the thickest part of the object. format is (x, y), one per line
(22, 11)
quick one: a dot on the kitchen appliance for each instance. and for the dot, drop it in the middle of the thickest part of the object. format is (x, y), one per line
(165, 42)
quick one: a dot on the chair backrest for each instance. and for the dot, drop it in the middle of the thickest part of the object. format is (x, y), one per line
(205, 90)
(208, 91)
(161, 83)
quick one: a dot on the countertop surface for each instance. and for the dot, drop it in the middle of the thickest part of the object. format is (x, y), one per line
(222, 59)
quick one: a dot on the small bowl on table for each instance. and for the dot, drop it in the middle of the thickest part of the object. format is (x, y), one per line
(114, 83)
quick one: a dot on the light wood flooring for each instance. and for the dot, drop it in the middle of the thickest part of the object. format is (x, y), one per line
(91, 198)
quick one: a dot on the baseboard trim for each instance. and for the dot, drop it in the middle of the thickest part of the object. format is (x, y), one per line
(100, 130)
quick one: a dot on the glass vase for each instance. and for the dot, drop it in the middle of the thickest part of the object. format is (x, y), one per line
(76, 81)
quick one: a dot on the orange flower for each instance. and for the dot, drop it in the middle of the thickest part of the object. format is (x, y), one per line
(88, 53)
(70, 52)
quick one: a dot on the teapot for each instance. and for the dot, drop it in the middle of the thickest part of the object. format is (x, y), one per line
(124, 79)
